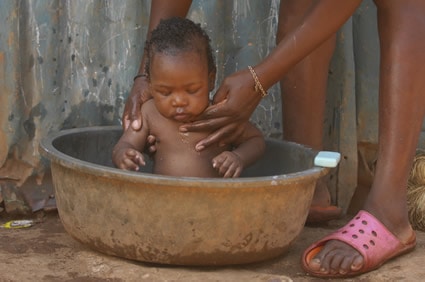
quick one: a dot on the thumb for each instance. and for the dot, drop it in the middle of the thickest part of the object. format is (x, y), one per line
(136, 116)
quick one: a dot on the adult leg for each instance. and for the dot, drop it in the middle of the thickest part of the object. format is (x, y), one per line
(401, 112)
(303, 92)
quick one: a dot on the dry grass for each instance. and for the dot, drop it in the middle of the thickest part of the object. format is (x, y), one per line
(416, 192)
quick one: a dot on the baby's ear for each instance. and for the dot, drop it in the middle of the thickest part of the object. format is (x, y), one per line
(211, 80)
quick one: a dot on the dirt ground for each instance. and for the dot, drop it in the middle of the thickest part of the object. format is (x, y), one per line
(45, 252)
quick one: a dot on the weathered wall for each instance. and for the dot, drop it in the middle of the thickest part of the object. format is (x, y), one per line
(67, 64)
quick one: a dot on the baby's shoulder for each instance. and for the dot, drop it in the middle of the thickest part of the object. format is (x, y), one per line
(148, 108)
(149, 104)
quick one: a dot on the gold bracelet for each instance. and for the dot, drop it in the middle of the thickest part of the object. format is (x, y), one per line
(258, 87)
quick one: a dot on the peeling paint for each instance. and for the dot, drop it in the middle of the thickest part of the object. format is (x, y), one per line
(4, 114)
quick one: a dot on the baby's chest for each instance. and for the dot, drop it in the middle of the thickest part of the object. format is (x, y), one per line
(175, 141)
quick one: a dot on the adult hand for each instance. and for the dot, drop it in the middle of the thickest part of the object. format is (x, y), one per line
(132, 111)
(150, 146)
(138, 95)
(233, 104)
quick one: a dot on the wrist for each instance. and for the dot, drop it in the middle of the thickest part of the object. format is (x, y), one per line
(257, 84)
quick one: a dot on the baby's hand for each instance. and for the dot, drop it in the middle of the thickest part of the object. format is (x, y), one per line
(228, 164)
(129, 159)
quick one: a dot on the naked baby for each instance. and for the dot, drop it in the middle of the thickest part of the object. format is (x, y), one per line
(181, 72)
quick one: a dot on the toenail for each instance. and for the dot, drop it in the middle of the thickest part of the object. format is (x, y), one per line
(316, 261)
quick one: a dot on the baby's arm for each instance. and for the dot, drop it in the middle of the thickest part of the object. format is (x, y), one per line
(249, 149)
(127, 152)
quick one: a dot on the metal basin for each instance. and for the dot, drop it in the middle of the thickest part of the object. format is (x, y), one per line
(182, 221)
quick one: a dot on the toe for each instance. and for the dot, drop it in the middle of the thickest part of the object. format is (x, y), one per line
(357, 263)
(336, 262)
(335, 258)
(315, 264)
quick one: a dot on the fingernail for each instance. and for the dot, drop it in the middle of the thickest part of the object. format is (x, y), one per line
(199, 147)
(136, 123)
(183, 129)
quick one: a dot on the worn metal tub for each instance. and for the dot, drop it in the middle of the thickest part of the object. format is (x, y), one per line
(182, 221)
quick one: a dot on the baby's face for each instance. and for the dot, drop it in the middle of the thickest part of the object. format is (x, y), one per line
(180, 85)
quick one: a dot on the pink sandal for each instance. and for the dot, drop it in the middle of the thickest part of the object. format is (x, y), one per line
(369, 237)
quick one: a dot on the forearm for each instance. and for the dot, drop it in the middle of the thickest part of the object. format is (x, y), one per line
(120, 148)
(321, 22)
(131, 139)
(251, 150)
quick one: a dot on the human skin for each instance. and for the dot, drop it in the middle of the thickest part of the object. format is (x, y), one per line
(401, 111)
(305, 87)
(401, 106)
(291, 13)
(401, 103)
(160, 9)
(238, 89)
(180, 85)
(311, 70)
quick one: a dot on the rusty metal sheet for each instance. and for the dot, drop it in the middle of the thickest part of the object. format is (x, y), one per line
(66, 64)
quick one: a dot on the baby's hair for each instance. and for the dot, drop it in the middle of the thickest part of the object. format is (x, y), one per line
(176, 35)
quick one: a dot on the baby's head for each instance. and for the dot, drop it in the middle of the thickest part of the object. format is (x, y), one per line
(180, 68)
(179, 35)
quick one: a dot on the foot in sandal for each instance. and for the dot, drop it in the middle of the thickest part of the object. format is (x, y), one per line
(362, 245)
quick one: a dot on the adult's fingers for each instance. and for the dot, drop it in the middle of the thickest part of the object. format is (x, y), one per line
(132, 114)
(224, 135)
(205, 125)
(132, 110)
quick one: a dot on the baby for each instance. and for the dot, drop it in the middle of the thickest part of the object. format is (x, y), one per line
(181, 73)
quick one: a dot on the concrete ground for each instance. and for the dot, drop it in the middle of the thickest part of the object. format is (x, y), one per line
(45, 252)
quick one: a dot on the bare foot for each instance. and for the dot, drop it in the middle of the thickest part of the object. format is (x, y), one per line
(336, 257)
